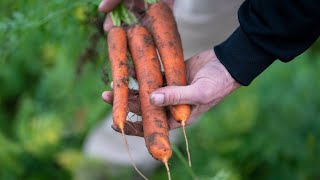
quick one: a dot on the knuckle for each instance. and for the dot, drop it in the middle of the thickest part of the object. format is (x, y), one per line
(173, 98)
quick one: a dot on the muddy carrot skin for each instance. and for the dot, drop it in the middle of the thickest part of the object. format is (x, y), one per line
(167, 39)
(117, 49)
(147, 67)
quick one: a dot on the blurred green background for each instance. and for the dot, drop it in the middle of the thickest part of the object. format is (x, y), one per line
(53, 68)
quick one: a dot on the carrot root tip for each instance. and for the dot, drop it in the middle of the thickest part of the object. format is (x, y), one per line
(186, 140)
(130, 156)
(165, 162)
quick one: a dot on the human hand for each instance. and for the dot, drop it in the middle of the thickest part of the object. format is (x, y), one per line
(209, 83)
(136, 6)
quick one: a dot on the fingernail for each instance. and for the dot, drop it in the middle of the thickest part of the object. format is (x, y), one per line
(105, 95)
(114, 126)
(157, 99)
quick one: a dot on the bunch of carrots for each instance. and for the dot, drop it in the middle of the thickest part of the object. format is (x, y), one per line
(161, 37)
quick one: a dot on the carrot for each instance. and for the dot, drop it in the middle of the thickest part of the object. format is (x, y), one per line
(148, 71)
(117, 49)
(167, 39)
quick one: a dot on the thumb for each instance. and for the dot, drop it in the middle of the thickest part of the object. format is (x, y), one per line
(172, 95)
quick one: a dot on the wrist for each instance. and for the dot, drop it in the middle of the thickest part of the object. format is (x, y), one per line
(242, 57)
(229, 83)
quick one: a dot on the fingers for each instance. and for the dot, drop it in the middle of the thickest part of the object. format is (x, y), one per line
(131, 128)
(196, 94)
(134, 105)
(172, 95)
(135, 5)
(107, 25)
(136, 128)
(208, 79)
(134, 102)
(108, 5)
(107, 96)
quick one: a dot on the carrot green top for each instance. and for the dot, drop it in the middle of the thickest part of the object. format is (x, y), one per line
(122, 14)
(151, 1)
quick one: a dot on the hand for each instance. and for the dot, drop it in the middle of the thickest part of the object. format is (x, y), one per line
(136, 6)
(209, 83)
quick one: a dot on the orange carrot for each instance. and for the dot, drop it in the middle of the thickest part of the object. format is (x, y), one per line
(167, 39)
(148, 71)
(117, 48)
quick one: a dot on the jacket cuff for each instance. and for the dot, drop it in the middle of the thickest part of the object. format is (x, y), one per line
(244, 60)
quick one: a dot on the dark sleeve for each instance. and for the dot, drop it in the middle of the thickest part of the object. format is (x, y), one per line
(269, 30)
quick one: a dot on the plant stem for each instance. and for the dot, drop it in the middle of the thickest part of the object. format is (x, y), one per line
(122, 14)
(151, 1)
(116, 21)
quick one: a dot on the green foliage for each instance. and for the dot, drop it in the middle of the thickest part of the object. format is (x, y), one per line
(50, 99)
(46, 108)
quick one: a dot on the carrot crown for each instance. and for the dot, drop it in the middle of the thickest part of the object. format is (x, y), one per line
(151, 1)
(122, 14)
